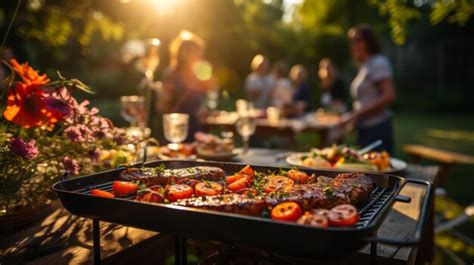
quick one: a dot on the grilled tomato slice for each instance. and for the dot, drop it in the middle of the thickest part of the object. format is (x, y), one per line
(247, 170)
(239, 184)
(298, 176)
(287, 211)
(312, 218)
(233, 178)
(124, 188)
(343, 215)
(179, 191)
(208, 188)
(102, 193)
(278, 183)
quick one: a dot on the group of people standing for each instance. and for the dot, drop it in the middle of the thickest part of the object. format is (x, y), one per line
(372, 89)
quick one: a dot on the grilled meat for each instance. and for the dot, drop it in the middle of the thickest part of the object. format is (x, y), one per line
(156, 176)
(231, 203)
(356, 185)
(308, 196)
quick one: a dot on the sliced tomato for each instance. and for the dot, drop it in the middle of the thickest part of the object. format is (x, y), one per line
(298, 176)
(287, 211)
(102, 193)
(233, 178)
(208, 188)
(239, 184)
(343, 215)
(124, 188)
(188, 181)
(323, 212)
(313, 219)
(278, 183)
(248, 170)
(179, 191)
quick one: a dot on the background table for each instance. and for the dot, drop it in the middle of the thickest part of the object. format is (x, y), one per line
(57, 237)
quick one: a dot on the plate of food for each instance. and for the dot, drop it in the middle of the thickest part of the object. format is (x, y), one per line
(211, 147)
(346, 158)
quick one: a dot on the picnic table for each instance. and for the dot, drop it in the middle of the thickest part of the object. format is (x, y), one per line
(284, 127)
(57, 237)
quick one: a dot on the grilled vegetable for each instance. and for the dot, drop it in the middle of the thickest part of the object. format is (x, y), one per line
(298, 176)
(124, 188)
(102, 193)
(314, 219)
(178, 191)
(287, 211)
(153, 194)
(343, 215)
(239, 184)
(208, 188)
(276, 183)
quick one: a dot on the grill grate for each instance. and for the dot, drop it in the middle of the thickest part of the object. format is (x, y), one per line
(368, 211)
(377, 199)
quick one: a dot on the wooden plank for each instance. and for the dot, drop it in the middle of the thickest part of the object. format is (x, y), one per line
(62, 238)
(438, 155)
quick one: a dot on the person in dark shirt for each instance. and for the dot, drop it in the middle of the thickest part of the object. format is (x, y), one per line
(302, 94)
(334, 95)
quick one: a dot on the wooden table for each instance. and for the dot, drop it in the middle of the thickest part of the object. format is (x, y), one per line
(287, 128)
(57, 237)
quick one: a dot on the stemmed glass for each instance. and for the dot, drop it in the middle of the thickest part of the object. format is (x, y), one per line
(175, 127)
(133, 110)
(246, 123)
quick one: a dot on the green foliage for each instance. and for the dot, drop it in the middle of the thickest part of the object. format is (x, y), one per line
(401, 12)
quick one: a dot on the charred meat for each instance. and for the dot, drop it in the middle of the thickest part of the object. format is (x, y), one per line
(157, 176)
(231, 203)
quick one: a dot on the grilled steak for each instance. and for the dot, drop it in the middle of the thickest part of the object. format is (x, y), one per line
(231, 203)
(308, 196)
(155, 176)
(356, 185)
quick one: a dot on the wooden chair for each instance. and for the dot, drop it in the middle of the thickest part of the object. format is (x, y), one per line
(445, 159)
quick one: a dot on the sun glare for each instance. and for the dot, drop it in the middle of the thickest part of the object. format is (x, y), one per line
(165, 6)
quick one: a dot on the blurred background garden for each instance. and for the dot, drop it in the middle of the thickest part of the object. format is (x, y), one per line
(429, 43)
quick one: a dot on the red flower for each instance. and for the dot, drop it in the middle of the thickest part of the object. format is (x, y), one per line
(28, 106)
(28, 75)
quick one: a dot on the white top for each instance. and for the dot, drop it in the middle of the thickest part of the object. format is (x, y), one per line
(364, 90)
(282, 92)
(262, 85)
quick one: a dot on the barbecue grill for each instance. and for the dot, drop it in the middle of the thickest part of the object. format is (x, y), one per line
(290, 238)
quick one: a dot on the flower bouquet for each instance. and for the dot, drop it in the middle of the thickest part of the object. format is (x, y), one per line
(45, 131)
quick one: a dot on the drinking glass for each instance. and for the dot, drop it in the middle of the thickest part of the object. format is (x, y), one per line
(175, 126)
(246, 125)
(133, 110)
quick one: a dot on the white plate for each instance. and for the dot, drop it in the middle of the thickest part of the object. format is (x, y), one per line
(397, 165)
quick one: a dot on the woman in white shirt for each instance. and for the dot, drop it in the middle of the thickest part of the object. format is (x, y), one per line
(372, 90)
(258, 84)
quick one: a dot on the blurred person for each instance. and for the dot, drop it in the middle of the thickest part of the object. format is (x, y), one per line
(302, 96)
(334, 95)
(372, 90)
(283, 90)
(183, 91)
(258, 84)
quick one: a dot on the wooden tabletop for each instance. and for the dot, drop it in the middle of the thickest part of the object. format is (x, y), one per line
(57, 237)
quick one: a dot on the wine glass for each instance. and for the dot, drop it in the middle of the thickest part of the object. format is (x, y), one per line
(175, 127)
(133, 110)
(246, 124)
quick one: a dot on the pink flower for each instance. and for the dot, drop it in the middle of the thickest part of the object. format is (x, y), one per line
(25, 149)
(74, 134)
(71, 165)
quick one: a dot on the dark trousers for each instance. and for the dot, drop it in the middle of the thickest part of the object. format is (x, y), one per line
(382, 131)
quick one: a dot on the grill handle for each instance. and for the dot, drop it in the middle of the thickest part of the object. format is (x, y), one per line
(417, 235)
